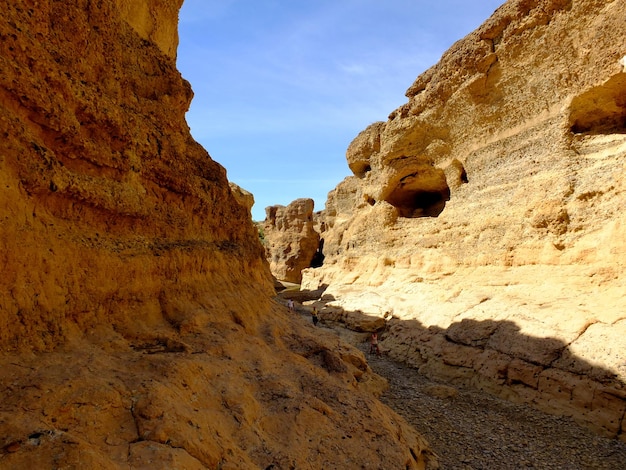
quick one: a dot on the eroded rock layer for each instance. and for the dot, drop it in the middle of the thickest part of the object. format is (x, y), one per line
(486, 215)
(136, 322)
(109, 205)
(291, 241)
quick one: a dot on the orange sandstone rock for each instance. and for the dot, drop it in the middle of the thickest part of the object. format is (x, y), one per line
(291, 241)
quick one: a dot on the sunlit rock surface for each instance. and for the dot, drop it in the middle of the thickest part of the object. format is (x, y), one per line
(291, 241)
(487, 213)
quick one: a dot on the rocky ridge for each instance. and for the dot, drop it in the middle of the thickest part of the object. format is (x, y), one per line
(484, 219)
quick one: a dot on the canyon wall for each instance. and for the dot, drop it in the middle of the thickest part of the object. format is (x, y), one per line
(112, 213)
(485, 217)
(291, 241)
(137, 326)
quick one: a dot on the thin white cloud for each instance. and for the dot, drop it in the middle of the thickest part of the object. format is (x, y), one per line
(202, 11)
(357, 69)
(274, 76)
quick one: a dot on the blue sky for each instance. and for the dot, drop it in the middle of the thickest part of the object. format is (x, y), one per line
(283, 86)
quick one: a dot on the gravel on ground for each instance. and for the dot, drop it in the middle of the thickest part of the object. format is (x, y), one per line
(473, 430)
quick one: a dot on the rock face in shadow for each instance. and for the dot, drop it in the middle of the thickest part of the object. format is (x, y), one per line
(497, 193)
(291, 241)
(137, 326)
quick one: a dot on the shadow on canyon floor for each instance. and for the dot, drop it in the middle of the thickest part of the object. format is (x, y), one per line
(492, 356)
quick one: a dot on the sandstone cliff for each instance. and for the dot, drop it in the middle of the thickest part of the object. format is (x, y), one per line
(110, 206)
(291, 241)
(137, 327)
(486, 217)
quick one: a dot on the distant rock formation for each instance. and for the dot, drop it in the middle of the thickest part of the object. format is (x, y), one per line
(291, 242)
(487, 213)
(137, 326)
(243, 197)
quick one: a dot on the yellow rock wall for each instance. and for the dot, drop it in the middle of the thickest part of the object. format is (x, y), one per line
(154, 20)
(290, 239)
(494, 200)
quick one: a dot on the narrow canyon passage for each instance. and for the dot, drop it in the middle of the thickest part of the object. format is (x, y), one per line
(473, 430)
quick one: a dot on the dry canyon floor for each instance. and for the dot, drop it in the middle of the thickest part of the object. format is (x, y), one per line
(472, 430)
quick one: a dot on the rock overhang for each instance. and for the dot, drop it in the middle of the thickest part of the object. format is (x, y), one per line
(417, 189)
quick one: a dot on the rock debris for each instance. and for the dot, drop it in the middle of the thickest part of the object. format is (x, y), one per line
(472, 430)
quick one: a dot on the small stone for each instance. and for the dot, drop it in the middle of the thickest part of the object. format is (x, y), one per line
(441, 391)
(13, 447)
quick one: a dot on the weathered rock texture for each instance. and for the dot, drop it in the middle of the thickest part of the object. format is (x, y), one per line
(243, 197)
(486, 215)
(291, 241)
(137, 328)
(109, 206)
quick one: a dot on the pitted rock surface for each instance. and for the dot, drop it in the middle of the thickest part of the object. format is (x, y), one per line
(485, 215)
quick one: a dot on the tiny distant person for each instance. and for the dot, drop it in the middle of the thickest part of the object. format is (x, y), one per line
(314, 316)
(374, 344)
(290, 304)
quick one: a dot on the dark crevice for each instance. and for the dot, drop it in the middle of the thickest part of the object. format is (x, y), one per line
(463, 176)
(421, 193)
(361, 169)
(413, 204)
(318, 258)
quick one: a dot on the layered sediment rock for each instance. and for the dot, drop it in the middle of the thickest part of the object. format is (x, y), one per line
(137, 326)
(486, 214)
(109, 205)
(291, 241)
